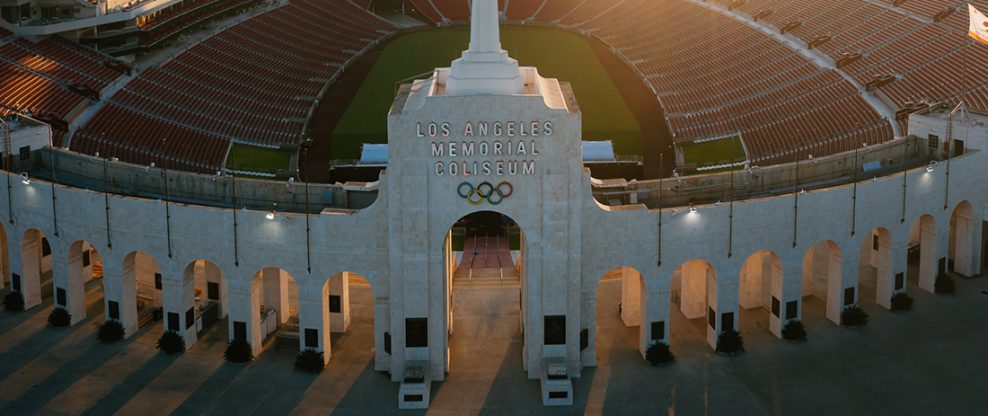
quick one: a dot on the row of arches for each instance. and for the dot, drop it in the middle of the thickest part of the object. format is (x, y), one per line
(268, 307)
(763, 286)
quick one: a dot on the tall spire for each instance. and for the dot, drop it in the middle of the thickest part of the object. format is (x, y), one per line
(485, 68)
(485, 32)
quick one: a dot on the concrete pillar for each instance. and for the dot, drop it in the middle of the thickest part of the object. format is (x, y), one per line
(723, 299)
(846, 280)
(789, 291)
(244, 313)
(313, 316)
(693, 289)
(123, 290)
(382, 326)
(631, 294)
(884, 278)
(73, 277)
(900, 265)
(275, 293)
(179, 298)
(31, 271)
(964, 240)
(215, 275)
(654, 317)
(339, 286)
(712, 310)
(929, 250)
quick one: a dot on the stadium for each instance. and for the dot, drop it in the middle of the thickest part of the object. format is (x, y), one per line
(469, 206)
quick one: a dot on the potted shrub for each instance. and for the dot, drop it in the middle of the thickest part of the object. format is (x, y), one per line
(853, 316)
(110, 331)
(944, 284)
(14, 302)
(309, 361)
(171, 342)
(902, 302)
(659, 354)
(730, 343)
(238, 351)
(794, 331)
(59, 317)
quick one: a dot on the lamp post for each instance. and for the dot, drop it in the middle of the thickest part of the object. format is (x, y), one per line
(306, 144)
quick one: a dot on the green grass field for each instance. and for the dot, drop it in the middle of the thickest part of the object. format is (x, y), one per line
(258, 159)
(714, 152)
(555, 53)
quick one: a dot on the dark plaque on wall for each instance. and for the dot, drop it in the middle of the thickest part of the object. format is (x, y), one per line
(173, 324)
(658, 330)
(157, 281)
(416, 332)
(239, 331)
(114, 309)
(387, 342)
(900, 281)
(727, 322)
(584, 339)
(555, 329)
(711, 317)
(849, 296)
(190, 318)
(775, 306)
(213, 291)
(60, 296)
(311, 338)
(791, 308)
(15, 282)
(334, 304)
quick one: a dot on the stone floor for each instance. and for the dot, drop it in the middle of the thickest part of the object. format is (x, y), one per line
(932, 360)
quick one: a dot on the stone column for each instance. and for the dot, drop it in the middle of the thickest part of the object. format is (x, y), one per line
(631, 297)
(788, 292)
(654, 317)
(30, 277)
(72, 278)
(245, 314)
(313, 316)
(178, 299)
(722, 298)
(339, 289)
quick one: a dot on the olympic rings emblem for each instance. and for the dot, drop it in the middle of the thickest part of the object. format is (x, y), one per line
(494, 195)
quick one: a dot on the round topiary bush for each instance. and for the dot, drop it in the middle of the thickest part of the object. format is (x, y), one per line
(110, 331)
(59, 318)
(902, 302)
(171, 342)
(238, 351)
(853, 316)
(944, 284)
(309, 361)
(730, 343)
(794, 331)
(659, 354)
(14, 302)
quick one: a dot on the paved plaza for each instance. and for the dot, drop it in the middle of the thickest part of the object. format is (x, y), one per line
(932, 360)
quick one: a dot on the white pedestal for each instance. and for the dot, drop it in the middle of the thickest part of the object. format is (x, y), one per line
(415, 386)
(557, 388)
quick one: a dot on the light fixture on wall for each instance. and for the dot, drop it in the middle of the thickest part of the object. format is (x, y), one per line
(25, 178)
(692, 209)
(274, 210)
(931, 166)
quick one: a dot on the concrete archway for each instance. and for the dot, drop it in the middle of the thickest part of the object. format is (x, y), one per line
(760, 292)
(85, 266)
(875, 274)
(274, 311)
(36, 281)
(483, 286)
(961, 243)
(693, 292)
(921, 257)
(621, 316)
(140, 298)
(822, 278)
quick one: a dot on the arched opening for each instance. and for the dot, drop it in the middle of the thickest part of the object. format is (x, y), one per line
(140, 300)
(205, 292)
(621, 311)
(875, 280)
(922, 252)
(274, 310)
(822, 280)
(484, 271)
(693, 294)
(961, 243)
(760, 292)
(348, 313)
(35, 282)
(85, 284)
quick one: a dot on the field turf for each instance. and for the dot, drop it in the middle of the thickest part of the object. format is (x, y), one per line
(713, 152)
(258, 159)
(556, 53)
